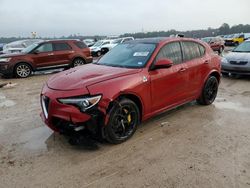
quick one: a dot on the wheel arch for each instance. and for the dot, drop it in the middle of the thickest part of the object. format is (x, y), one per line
(133, 97)
(76, 57)
(14, 68)
(216, 75)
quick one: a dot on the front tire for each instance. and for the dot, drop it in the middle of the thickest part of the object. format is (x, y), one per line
(220, 50)
(98, 54)
(209, 91)
(78, 62)
(23, 70)
(123, 121)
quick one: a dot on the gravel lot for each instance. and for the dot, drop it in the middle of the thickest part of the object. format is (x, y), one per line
(192, 146)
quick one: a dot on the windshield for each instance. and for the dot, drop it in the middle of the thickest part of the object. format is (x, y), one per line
(128, 55)
(30, 48)
(97, 44)
(243, 47)
(207, 40)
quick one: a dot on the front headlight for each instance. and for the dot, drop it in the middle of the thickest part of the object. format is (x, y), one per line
(224, 60)
(5, 59)
(83, 103)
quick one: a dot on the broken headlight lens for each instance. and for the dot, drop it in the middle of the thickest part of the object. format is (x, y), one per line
(83, 103)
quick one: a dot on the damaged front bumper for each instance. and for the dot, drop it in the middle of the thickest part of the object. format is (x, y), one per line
(67, 119)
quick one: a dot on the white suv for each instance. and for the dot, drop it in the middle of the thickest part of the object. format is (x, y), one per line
(108, 47)
(97, 47)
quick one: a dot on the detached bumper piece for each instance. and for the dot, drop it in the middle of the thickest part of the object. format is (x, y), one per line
(89, 129)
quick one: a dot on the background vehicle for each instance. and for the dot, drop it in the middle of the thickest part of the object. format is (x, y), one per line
(97, 47)
(45, 55)
(236, 39)
(133, 82)
(1, 48)
(237, 62)
(18, 46)
(89, 42)
(216, 43)
(108, 47)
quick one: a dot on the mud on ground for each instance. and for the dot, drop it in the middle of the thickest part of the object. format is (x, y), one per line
(192, 146)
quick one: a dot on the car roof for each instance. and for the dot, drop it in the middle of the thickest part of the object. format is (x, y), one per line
(62, 40)
(158, 40)
(155, 40)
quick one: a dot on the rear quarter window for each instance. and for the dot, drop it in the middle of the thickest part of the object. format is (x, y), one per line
(80, 44)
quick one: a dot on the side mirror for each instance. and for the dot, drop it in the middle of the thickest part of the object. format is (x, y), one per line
(163, 63)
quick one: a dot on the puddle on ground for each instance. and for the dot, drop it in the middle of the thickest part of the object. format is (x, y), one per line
(224, 104)
(5, 102)
(35, 140)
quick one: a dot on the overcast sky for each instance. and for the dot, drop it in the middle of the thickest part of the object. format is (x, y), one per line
(113, 17)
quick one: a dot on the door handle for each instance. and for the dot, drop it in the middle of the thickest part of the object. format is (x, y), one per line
(182, 70)
(51, 54)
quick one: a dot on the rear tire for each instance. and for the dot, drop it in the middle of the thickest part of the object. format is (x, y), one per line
(209, 91)
(22, 70)
(123, 121)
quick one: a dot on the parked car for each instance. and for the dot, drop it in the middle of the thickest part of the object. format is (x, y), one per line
(108, 47)
(236, 39)
(96, 49)
(1, 48)
(237, 62)
(45, 55)
(89, 42)
(216, 43)
(18, 46)
(133, 82)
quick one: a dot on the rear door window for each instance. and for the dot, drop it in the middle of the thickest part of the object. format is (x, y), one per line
(171, 51)
(192, 50)
(61, 46)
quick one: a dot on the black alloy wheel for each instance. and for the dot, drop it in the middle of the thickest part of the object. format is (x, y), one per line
(209, 91)
(123, 121)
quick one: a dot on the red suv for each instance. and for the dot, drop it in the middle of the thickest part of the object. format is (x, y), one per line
(133, 82)
(45, 55)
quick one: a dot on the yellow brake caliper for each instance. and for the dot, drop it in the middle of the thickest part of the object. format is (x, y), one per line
(128, 117)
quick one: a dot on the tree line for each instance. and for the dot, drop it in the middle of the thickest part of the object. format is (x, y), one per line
(224, 29)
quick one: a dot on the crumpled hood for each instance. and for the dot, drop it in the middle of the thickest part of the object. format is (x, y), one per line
(86, 75)
(238, 56)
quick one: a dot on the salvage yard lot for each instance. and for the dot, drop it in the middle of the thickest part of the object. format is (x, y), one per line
(191, 146)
